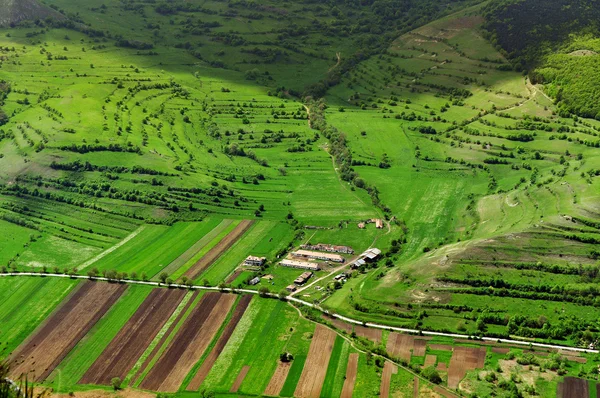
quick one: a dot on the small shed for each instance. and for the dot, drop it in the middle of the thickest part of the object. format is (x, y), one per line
(254, 281)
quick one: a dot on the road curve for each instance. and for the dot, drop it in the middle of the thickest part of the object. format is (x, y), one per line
(302, 302)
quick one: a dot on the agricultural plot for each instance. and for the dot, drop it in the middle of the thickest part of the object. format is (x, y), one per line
(463, 360)
(389, 369)
(133, 339)
(192, 339)
(24, 304)
(315, 367)
(52, 342)
(209, 258)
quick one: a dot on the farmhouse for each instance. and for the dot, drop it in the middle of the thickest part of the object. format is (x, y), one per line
(336, 258)
(301, 280)
(371, 255)
(299, 264)
(378, 223)
(322, 247)
(291, 288)
(254, 281)
(255, 261)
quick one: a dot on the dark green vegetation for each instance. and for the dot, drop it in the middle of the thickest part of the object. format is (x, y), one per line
(137, 135)
(556, 41)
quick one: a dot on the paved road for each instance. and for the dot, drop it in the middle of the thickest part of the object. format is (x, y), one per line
(302, 302)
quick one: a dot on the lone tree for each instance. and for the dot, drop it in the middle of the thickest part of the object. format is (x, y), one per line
(115, 382)
(263, 291)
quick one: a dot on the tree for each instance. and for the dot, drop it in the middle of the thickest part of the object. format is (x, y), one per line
(115, 382)
(432, 375)
(263, 291)
(163, 277)
(283, 294)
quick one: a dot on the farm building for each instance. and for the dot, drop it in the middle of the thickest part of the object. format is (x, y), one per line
(361, 225)
(301, 280)
(299, 264)
(358, 263)
(340, 277)
(291, 288)
(322, 247)
(255, 261)
(371, 255)
(336, 258)
(378, 222)
(254, 281)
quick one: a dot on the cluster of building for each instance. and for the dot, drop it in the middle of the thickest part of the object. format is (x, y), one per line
(299, 264)
(299, 281)
(322, 247)
(312, 255)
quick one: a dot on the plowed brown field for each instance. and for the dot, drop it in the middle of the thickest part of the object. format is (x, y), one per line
(315, 367)
(572, 387)
(464, 359)
(350, 380)
(189, 343)
(278, 379)
(386, 378)
(240, 379)
(214, 253)
(132, 340)
(165, 337)
(52, 342)
(220, 345)
(370, 333)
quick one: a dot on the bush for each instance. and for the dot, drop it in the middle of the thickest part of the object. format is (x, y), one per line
(432, 375)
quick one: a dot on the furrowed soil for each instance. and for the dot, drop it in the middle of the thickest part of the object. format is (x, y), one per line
(278, 379)
(386, 377)
(133, 339)
(372, 334)
(39, 356)
(315, 367)
(240, 379)
(189, 344)
(464, 359)
(214, 253)
(572, 387)
(350, 380)
(208, 363)
(165, 337)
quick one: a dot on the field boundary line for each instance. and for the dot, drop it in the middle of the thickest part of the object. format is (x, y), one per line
(112, 248)
(315, 306)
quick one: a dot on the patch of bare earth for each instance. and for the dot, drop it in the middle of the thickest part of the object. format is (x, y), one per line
(315, 367)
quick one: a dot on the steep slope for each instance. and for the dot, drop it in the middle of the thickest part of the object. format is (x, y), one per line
(15, 11)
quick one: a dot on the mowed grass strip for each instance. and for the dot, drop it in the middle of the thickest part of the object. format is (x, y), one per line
(207, 248)
(51, 343)
(315, 368)
(79, 360)
(218, 250)
(212, 228)
(293, 376)
(336, 368)
(133, 339)
(152, 249)
(193, 338)
(25, 303)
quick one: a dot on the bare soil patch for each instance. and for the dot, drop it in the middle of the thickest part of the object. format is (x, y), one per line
(444, 393)
(234, 275)
(416, 387)
(370, 333)
(189, 343)
(220, 345)
(500, 350)
(52, 342)
(350, 380)
(419, 347)
(240, 379)
(339, 324)
(572, 387)
(400, 345)
(441, 366)
(165, 336)
(134, 338)
(386, 378)
(464, 359)
(213, 254)
(278, 379)
(315, 367)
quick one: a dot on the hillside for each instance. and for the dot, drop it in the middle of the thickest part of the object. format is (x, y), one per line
(557, 43)
(13, 12)
(204, 143)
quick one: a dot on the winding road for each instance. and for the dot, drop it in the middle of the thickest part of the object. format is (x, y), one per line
(315, 306)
